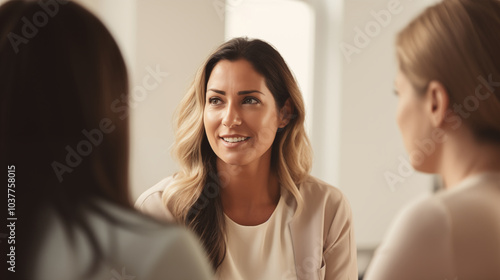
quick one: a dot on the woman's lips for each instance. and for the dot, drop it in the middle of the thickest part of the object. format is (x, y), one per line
(233, 141)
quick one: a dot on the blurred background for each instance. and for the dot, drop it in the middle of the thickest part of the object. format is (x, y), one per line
(342, 54)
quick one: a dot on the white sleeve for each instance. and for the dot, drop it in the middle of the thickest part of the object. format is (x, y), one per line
(418, 246)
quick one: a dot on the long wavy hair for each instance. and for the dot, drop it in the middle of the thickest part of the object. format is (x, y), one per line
(456, 42)
(193, 196)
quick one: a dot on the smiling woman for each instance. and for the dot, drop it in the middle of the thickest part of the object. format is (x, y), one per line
(241, 120)
(244, 185)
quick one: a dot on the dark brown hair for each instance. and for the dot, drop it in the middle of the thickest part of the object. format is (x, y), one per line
(60, 74)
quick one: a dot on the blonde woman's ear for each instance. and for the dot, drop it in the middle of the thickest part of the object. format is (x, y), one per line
(286, 114)
(438, 103)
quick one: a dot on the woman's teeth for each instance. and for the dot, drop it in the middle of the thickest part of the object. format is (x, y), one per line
(235, 139)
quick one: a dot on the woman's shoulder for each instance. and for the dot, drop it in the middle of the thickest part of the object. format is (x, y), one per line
(472, 190)
(436, 212)
(314, 190)
(321, 199)
(171, 249)
(151, 203)
(425, 219)
(134, 236)
(326, 217)
(423, 227)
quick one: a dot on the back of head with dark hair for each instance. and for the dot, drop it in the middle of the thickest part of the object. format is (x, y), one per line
(62, 77)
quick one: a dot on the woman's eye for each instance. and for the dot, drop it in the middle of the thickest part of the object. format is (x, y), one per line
(214, 101)
(251, 100)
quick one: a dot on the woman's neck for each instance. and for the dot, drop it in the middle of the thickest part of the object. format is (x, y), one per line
(463, 157)
(249, 191)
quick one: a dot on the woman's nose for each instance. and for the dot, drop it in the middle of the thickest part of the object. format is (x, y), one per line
(232, 116)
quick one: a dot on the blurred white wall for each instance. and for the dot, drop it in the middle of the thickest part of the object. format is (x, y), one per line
(165, 42)
(374, 171)
(175, 36)
(121, 19)
(371, 148)
(292, 35)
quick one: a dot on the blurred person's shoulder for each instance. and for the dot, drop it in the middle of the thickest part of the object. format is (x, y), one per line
(437, 227)
(423, 220)
(473, 204)
(155, 249)
(432, 216)
(468, 191)
(132, 244)
(151, 203)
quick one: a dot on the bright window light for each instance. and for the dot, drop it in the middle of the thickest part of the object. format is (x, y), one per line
(286, 24)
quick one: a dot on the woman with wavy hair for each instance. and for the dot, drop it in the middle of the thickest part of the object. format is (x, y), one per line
(449, 98)
(244, 185)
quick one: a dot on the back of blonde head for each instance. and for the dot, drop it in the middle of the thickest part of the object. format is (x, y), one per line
(457, 43)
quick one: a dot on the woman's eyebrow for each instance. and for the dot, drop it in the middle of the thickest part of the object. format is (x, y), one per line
(243, 92)
(217, 91)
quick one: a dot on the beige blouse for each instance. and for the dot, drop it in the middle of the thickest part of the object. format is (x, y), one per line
(322, 235)
(263, 251)
(454, 235)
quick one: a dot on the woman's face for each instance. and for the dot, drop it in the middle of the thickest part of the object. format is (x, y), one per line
(413, 123)
(240, 116)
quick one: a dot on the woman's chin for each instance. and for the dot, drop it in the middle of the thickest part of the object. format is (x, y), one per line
(424, 168)
(234, 161)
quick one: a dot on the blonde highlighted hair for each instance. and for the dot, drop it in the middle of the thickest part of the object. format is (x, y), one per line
(456, 43)
(193, 197)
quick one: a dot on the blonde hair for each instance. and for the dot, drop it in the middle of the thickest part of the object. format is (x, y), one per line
(456, 42)
(193, 197)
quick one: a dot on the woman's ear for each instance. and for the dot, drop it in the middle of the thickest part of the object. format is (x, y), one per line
(438, 102)
(285, 114)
